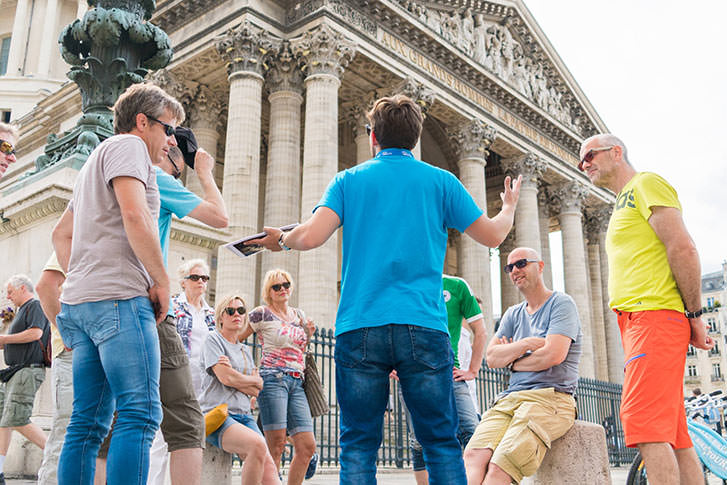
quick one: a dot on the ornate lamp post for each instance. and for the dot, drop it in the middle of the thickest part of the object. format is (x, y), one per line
(112, 47)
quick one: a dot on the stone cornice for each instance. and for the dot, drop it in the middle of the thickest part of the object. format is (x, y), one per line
(40, 205)
(191, 232)
(173, 14)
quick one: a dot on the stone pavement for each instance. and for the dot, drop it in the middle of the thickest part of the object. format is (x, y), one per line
(395, 477)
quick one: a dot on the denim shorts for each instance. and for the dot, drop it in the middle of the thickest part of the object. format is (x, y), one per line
(215, 438)
(283, 404)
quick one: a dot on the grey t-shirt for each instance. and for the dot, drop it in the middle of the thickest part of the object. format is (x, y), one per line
(214, 392)
(103, 266)
(557, 316)
(30, 315)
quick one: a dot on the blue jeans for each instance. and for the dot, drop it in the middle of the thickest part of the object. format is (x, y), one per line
(468, 420)
(423, 359)
(283, 404)
(115, 366)
(215, 438)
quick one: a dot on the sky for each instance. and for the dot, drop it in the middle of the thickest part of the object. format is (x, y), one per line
(655, 71)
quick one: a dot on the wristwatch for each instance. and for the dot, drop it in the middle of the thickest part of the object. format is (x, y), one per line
(696, 314)
(282, 244)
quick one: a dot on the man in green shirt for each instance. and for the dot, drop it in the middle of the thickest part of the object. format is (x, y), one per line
(461, 305)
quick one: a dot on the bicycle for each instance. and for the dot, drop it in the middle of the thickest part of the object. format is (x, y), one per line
(711, 448)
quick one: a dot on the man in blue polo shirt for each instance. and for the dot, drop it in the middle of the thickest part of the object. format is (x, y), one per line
(392, 314)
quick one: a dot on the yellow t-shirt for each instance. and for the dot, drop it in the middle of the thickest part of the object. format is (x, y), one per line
(639, 275)
(56, 340)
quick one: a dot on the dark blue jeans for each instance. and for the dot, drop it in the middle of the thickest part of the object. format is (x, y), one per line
(423, 360)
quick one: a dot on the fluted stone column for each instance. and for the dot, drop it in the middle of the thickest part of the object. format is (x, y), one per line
(544, 223)
(509, 294)
(472, 140)
(81, 9)
(18, 39)
(242, 48)
(282, 186)
(325, 53)
(569, 198)
(614, 348)
(358, 121)
(204, 120)
(48, 46)
(527, 227)
(597, 319)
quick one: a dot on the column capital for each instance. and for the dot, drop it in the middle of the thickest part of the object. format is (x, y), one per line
(568, 197)
(246, 48)
(529, 165)
(206, 108)
(182, 91)
(355, 113)
(508, 244)
(284, 73)
(323, 51)
(472, 139)
(596, 221)
(420, 94)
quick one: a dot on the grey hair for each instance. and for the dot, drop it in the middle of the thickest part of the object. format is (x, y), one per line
(8, 128)
(19, 280)
(606, 139)
(187, 266)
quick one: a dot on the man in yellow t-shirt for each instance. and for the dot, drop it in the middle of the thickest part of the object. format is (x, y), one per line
(655, 288)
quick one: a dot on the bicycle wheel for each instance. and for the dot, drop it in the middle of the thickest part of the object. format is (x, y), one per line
(637, 472)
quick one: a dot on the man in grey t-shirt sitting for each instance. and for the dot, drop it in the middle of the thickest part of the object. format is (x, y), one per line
(540, 340)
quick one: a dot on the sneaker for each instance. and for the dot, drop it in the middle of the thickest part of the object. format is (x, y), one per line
(312, 466)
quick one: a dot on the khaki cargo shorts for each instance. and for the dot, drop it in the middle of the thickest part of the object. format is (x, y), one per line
(520, 427)
(17, 396)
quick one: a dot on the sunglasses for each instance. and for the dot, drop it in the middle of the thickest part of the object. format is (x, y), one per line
(197, 277)
(169, 130)
(279, 286)
(368, 130)
(231, 311)
(519, 264)
(6, 147)
(177, 173)
(588, 157)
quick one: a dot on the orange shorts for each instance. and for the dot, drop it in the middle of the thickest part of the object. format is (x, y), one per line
(655, 350)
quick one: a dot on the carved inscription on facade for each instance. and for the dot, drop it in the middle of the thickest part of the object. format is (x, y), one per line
(398, 46)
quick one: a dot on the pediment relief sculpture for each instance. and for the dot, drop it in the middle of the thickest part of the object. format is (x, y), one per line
(493, 46)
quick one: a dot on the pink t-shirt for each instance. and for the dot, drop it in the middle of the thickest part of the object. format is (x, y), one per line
(283, 342)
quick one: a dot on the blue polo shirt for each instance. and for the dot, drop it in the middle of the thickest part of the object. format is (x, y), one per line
(175, 199)
(395, 212)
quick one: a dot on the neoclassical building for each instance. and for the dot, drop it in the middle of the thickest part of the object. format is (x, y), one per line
(276, 90)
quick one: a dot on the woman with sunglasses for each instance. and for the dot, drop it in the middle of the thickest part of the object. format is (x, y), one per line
(284, 332)
(195, 318)
(229, 376)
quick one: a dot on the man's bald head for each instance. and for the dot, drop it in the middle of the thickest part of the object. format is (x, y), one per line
(523, 253)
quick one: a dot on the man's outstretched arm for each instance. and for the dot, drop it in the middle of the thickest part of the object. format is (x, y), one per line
(309, 235)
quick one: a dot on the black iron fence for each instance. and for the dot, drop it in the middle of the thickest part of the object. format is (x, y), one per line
(597, 402)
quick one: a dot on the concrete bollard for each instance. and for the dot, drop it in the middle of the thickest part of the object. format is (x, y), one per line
(580, 456)
(216, 466)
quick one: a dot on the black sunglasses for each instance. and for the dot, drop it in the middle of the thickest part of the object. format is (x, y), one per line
(6, 147)
(197, 277)
(368, 130)
(177, 173)
(277, 287)
(168, 129)
(519, 264)
(231, 311)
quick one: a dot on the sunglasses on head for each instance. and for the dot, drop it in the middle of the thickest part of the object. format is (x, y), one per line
(197, 277)
(231, 311)
(6, 147)
(168, 129)
(279, 286)
(588, 157)
(519, 264)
